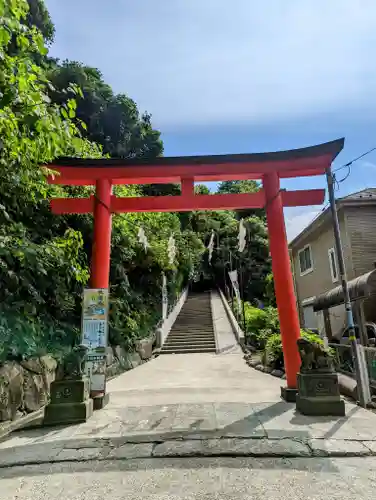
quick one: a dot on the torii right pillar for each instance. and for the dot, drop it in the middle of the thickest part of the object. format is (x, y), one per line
(283, 283)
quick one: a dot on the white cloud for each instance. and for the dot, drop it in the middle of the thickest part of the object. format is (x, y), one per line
(368, 165)
(214, 61)
(296, 220)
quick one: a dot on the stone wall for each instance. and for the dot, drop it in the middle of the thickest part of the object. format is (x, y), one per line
(25, 385)
(118, 360)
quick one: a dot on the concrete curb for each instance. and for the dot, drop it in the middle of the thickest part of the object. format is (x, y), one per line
(123, 449)
(33, 419)
(239, 334)
(217, 350)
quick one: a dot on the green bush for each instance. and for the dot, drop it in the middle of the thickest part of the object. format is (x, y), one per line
(273, 353)
(260, 324)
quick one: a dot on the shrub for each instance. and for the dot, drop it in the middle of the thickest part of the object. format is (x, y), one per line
(260, 324)
(273, 353)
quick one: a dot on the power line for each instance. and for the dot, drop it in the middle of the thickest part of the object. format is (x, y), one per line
(343, 178)
(355, 159)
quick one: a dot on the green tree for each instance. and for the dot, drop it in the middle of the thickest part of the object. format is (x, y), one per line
(39, 17)
(40, 261)
(112, 120)
(238, 187)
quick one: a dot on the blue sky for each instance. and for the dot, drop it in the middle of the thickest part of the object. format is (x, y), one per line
(240, 76)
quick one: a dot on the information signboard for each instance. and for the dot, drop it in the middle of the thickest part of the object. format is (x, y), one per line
(95, 318)
(95, 336)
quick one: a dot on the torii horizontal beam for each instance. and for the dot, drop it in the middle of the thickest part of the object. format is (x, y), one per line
(186, 203)
(292, 163)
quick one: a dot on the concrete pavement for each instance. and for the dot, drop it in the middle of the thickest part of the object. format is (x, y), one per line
(195, 479)
(196, 405)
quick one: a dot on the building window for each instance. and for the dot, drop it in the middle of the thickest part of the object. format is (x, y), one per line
(333, 264)
(305, 260)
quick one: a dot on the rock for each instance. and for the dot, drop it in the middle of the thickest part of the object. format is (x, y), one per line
(109, 356)
(115, 369)
(39, 373)
(254, 362)
(347, 386)
(119, 352)
(50, 370)
(19, 414)
(250, 348)
(259, 367)
(135, 359)
(11, 390)
(268, 369)
(49, 363)
(277, 373)
(36, 394)
(156, 352)
(145, 347)
(33, 365)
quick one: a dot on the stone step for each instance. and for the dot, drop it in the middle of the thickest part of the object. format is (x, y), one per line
(190, 342)
(210, 340)
(194, 316)
(187, 332)
(194, 324)
(192, 328)
(188, 350)
(199, 305)
(190, 335)
(194, 321)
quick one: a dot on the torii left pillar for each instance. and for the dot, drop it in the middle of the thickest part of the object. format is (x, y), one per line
(101, 253)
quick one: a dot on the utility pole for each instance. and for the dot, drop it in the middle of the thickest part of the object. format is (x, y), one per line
(362, 388)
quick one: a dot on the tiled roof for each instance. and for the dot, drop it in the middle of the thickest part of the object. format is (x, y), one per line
(369, 193)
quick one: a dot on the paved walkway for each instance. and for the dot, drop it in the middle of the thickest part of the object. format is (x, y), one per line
(194, 405)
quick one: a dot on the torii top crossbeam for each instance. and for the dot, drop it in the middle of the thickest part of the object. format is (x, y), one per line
(292, 163)
(187, 170)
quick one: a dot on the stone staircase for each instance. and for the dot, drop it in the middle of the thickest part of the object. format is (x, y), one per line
(193, 329)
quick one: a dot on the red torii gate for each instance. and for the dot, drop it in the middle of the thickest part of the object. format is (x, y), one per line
(187, 170)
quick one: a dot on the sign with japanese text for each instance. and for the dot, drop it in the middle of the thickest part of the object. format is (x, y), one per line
(95, 318)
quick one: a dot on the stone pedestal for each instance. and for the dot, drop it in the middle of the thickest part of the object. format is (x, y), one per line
(318, 394)
(70, 402)
(101, 401)
(288, 394)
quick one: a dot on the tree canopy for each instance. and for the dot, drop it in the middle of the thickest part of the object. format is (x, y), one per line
(39, 17)
(112, 120)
